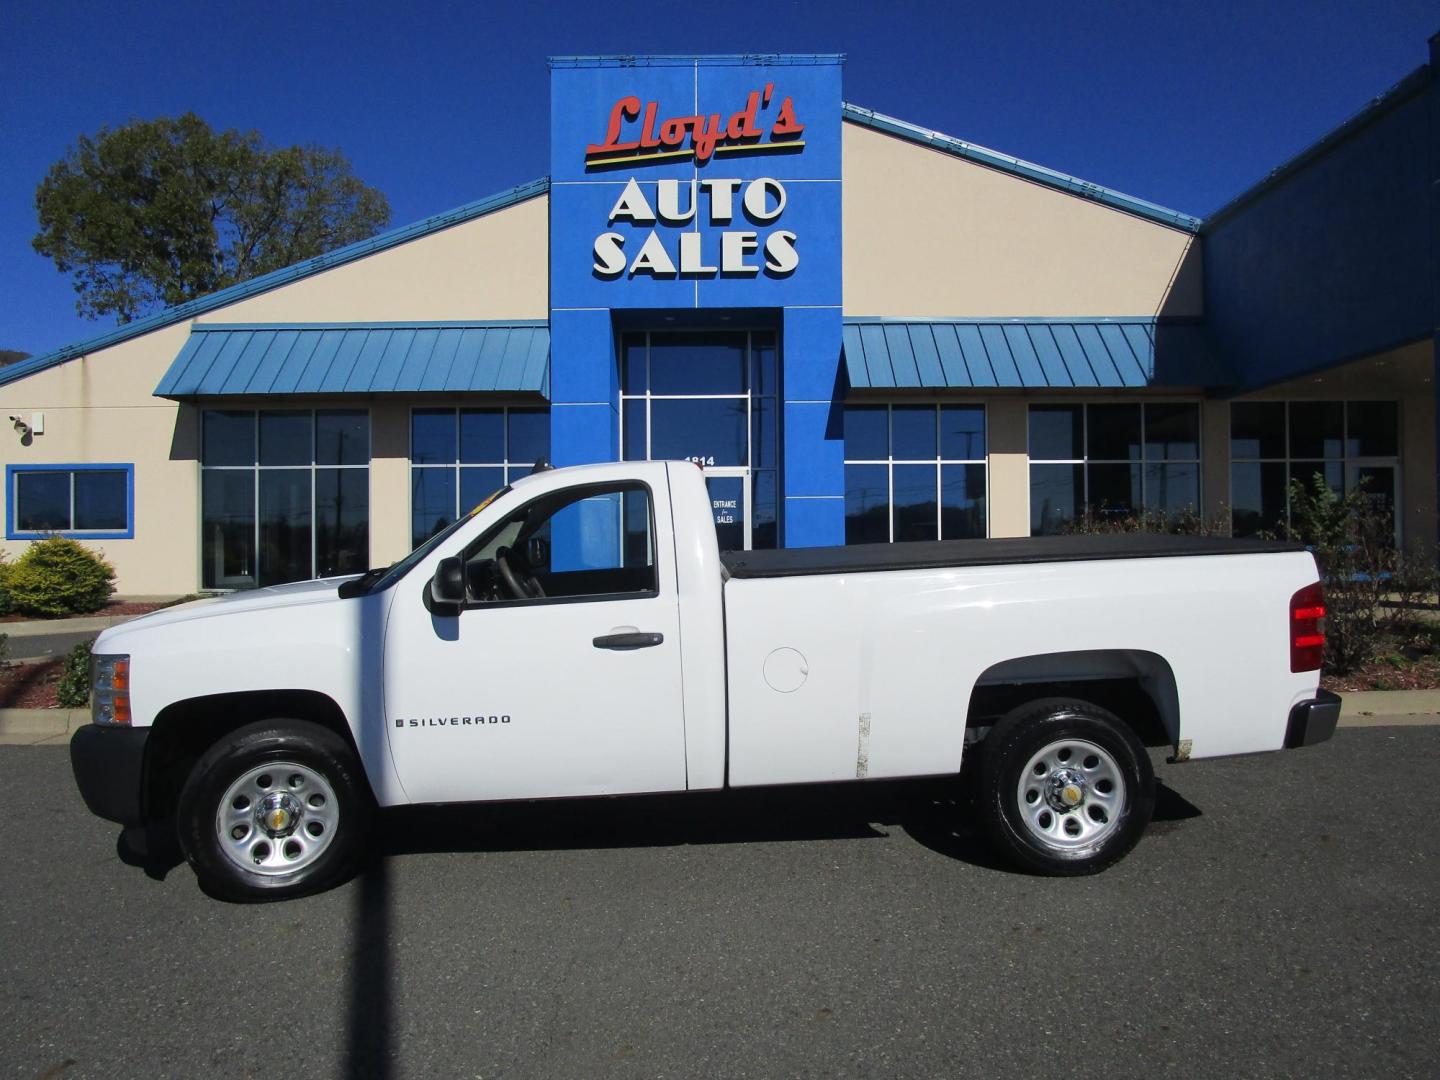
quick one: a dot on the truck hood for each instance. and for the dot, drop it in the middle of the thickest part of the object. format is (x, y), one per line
(323, 590)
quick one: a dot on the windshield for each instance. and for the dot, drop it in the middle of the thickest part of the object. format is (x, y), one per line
(395, 571)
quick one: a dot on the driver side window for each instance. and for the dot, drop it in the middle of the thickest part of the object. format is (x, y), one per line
(581, 542)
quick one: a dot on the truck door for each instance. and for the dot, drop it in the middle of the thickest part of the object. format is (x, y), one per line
(560, 675)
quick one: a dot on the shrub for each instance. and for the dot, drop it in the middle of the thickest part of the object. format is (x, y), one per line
(73, 689)
(1099, 520)
(4, 585)
(58, 576)
(1373, 589)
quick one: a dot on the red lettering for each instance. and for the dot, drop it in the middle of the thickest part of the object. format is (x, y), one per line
(672, 132)
(648, 138)
(707, 136)
(785, 123)
(625, 108)
(706, 133)
(742, 124)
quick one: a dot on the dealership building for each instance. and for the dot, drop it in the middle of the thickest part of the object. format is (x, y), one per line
(864, 331)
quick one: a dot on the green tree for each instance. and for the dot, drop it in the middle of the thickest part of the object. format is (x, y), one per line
(158, 212)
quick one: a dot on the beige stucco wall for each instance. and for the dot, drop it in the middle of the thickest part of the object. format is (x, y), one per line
(1215, 458)
(930, 234)
(389, 481)
(101, 407)
(494, 267)
(1007, 423)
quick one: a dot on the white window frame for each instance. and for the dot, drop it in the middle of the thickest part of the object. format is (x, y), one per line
(938, 461)
(457, 466)
(747, 469)
(1085, 461)
(252, 580)
(1349, 465)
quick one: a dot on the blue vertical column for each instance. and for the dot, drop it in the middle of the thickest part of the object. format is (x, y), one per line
(584, 393)
(1434, 153)
(813, 438)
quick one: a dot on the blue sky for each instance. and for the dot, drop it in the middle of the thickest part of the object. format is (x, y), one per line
(1182, 103)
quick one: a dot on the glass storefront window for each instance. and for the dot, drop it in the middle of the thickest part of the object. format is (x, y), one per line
(711, 430)
(697, 363)
(459, 457)
(285, 495)
(1274, 443)
(1112, 459)
(914, 472)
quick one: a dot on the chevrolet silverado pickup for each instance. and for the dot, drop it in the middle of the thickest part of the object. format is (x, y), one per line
(580, 634)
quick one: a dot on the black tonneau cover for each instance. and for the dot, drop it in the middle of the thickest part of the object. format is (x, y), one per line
(929, 554)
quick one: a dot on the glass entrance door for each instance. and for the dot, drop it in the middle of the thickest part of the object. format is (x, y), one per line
(730, 505)
(1380, 484)
(710, 397)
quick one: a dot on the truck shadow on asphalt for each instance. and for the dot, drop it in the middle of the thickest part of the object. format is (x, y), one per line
(936, 816)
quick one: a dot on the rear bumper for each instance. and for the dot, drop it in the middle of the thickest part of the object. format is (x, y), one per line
(1313, 722)
(109, 764)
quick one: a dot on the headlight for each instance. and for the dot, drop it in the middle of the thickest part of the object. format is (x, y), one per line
(110, 689)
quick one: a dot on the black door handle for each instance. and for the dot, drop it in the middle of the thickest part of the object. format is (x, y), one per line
(633, 640)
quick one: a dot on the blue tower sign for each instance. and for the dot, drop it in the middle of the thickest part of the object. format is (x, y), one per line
(695, 256)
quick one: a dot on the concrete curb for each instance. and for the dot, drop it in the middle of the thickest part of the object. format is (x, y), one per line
(37, 727)
(1373, 704)
(80, 624)
(48, 627)
(1377, 708)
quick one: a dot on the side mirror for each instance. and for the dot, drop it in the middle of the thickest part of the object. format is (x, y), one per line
(448, 584)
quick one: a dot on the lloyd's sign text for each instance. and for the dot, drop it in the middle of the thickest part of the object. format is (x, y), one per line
(653, 141)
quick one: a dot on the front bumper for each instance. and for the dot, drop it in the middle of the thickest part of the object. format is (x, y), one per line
(1313, 722)
(109, 766)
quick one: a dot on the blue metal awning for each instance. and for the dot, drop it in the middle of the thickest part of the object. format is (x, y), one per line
(223, 359)
(1024, 353)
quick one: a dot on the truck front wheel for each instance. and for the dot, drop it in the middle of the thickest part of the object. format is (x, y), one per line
(273, 810)
(1066, 788)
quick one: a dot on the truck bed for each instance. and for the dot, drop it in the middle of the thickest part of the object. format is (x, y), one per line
(933, 554)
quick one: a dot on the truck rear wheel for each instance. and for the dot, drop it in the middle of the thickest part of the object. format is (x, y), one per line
(275, 809)
(1065, 788)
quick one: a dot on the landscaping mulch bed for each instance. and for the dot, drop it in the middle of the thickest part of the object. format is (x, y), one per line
(30, 686)
(107, 610)
(1422, 673)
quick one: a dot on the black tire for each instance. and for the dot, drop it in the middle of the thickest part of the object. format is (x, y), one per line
(324, 760)
(1008, 751)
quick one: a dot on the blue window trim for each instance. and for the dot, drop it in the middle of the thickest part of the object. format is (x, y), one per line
(11, 471)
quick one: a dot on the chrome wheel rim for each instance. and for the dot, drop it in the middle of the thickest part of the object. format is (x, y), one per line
(277, 818)
(1070, 794)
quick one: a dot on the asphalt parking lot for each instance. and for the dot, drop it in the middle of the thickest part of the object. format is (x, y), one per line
(1279, 919)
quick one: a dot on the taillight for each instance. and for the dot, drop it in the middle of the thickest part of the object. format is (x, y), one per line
(1307, 628)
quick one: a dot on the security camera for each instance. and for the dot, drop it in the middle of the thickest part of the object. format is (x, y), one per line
(21, 427)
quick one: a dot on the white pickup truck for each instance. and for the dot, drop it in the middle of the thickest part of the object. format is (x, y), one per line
(581, 634)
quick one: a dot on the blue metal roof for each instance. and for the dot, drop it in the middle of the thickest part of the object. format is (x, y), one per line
(1018, 167)
(224, 359)
(1014, 353)
(275, 279)
(686, 59)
